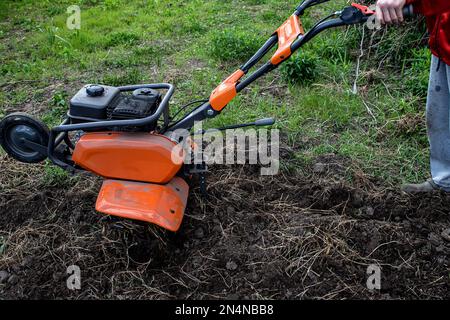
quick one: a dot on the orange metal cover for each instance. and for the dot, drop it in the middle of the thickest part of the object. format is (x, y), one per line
(287, 34)
(137, 156)
(226, 91)
(163, 205)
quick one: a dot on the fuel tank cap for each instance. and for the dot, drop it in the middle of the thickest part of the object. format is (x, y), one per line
(95, 90)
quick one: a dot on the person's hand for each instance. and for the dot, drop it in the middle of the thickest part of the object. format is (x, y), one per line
(390, 11)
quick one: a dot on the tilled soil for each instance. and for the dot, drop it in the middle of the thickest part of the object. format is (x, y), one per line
(290, 236)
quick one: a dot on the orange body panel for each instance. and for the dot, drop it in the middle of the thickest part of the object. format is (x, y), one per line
(226, 91)
(137, 156)
(163, 205)
(364, 9)
(287, 34)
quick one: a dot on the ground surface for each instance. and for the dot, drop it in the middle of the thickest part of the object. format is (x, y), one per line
(309, 232)
(284, 237)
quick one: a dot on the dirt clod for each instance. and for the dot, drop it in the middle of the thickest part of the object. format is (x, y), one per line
(4, 275)
(231, 265)
(319, 167)
(446, 234)
(199, 233)
(13, 279)
(434, 239)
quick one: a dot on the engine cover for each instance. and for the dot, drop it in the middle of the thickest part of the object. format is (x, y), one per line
(99, 103)
(138, 156)
(92, 102)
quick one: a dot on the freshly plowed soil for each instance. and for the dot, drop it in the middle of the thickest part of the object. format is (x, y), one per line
(289, 236)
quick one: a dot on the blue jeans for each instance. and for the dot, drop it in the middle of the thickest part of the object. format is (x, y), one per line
(438, 123)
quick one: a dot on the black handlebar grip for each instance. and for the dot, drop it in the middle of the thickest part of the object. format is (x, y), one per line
(408, 11)
(265, 122)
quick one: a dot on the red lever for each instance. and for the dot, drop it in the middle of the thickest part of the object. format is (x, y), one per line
(364, 9)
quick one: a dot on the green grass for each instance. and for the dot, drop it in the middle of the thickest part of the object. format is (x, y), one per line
(55, 176)
(196, 44)
(233, 44)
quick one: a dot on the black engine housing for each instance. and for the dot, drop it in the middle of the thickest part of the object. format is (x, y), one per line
(99, 103)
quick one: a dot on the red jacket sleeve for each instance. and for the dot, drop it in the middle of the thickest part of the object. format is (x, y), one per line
(430, 7)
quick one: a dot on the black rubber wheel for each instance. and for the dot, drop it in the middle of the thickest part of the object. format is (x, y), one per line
(19, 125)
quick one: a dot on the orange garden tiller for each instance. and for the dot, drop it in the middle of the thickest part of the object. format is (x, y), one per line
(126, 135)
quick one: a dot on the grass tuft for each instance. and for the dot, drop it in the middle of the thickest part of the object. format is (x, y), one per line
(233, 44)
(301, 68)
